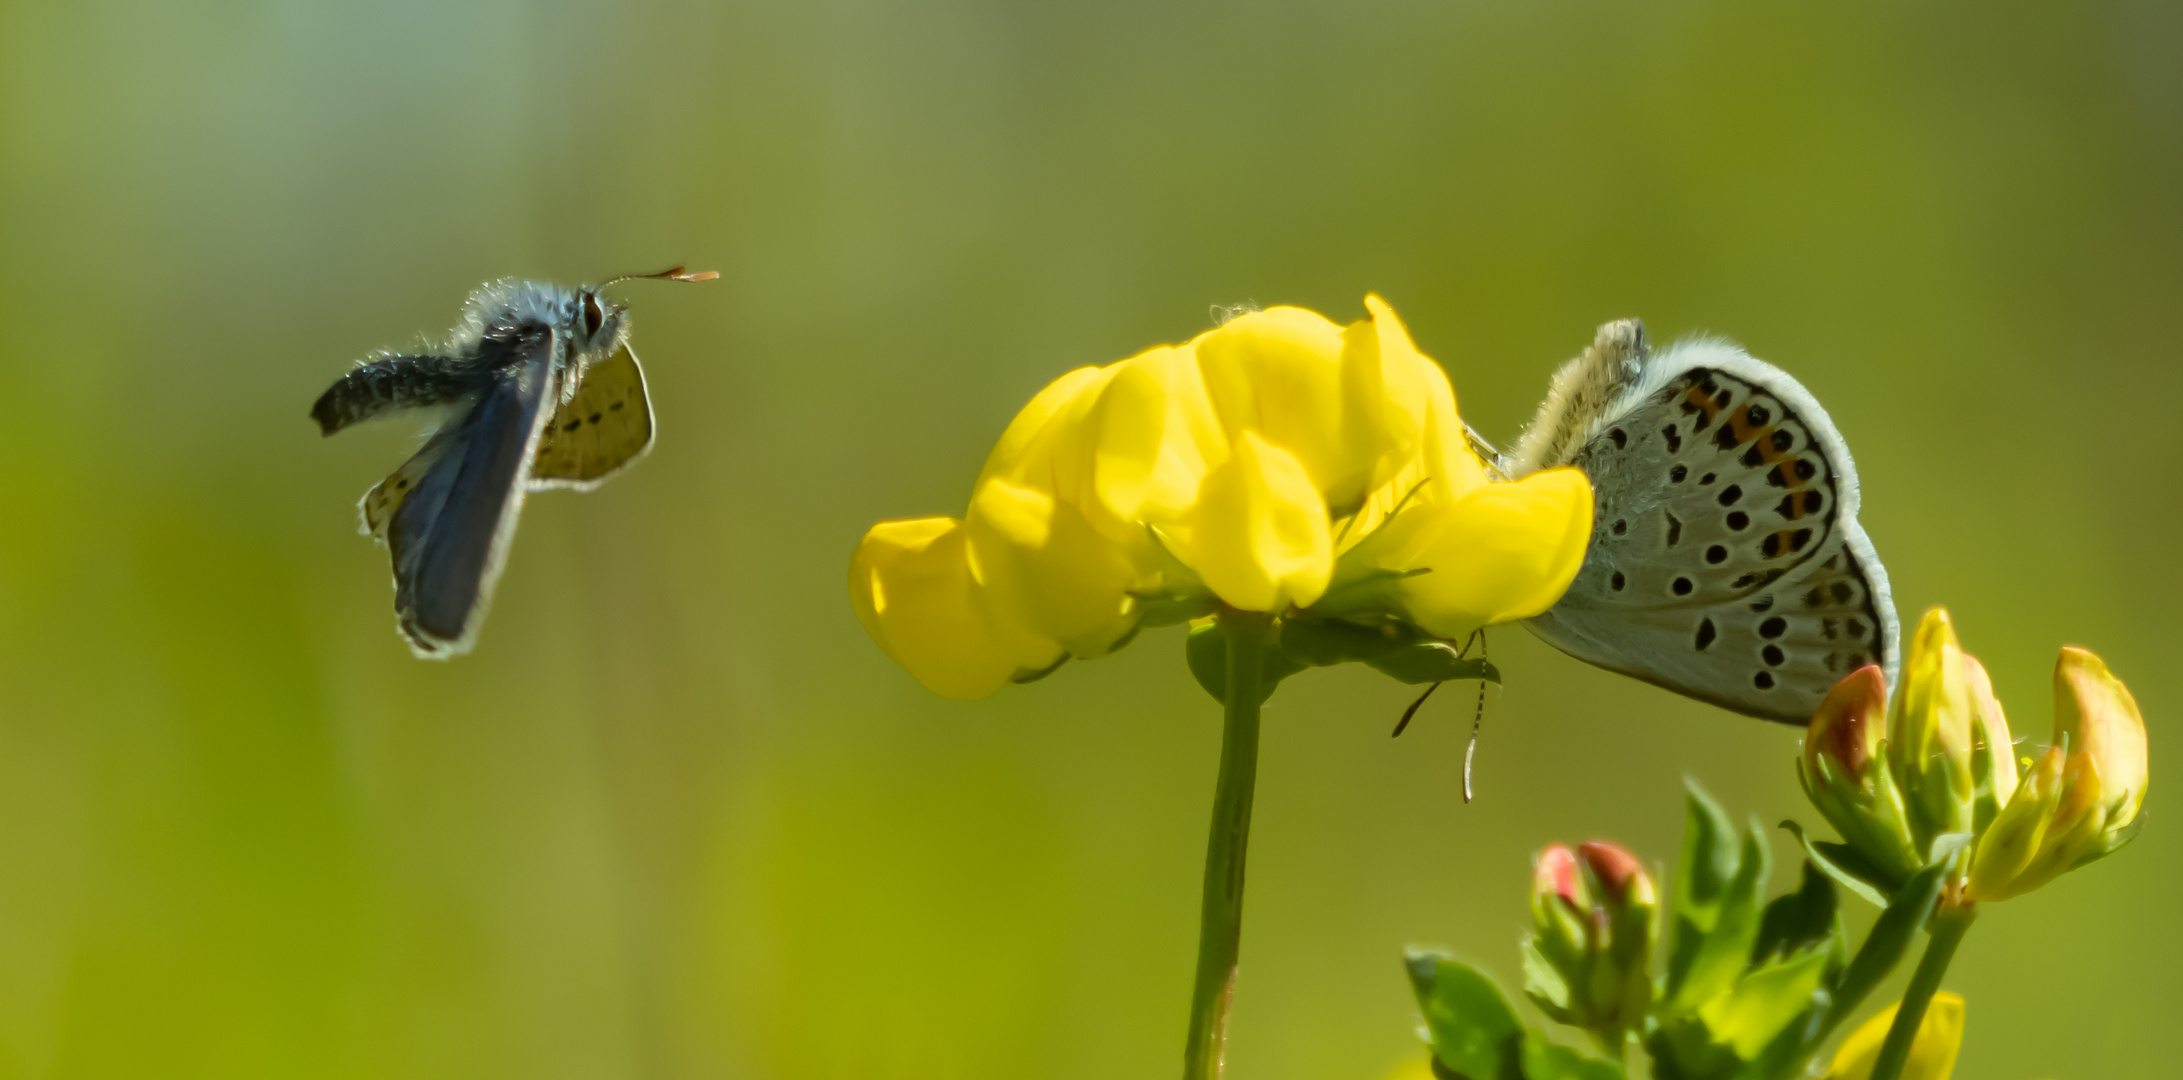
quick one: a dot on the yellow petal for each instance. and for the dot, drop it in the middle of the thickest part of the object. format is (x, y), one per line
(1035, 422)
(1386, 401)
(1993, 740)
(1932, 720)
(1289, 376)
(2095, 715)
(1258, 534)
(1042, 566)
(1932, 1055)
(912, 586)
(2001, 864)
(1502, 552)
(1147, 443)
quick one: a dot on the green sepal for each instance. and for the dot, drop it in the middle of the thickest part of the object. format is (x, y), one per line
(1206, 651)
(1167, 610)
(1432, 662)
(1544, 1060)
(2114, 842)
(1369, 593)
(1842, 862)
(1032, 675)
(1326, 642)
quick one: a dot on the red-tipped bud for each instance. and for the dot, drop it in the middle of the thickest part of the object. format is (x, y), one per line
(1850, 723)
(1846, 772)
(1595, 917)
(1622, 879)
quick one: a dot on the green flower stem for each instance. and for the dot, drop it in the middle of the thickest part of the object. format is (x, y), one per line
(1220, 918)
(1950, 922)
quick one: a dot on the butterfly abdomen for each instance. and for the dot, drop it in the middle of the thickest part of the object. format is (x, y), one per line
(396, 382)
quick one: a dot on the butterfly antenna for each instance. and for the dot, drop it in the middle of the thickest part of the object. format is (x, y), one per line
(1412, 710)
(1477, 718)
(672, 273)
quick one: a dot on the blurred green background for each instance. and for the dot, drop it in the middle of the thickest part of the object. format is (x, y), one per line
(677, 817)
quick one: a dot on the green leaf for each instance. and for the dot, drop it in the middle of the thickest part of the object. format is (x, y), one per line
(1544, 1060)
(1206, 651)
(1475, 1034)
(1841, 862)
(1764, 1002)
(1717, 894)
(1325, 642)
(1431, 662)
(1891, 935)
(1544, 983)
(1809, 918)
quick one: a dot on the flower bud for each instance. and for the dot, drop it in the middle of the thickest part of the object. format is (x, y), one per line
(1929, 747)
(2081, 799)
(1595, 918)
(1846, 774)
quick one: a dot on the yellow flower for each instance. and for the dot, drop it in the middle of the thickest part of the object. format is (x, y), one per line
(1932, 1055)
(2080, 800)
(1256, 466)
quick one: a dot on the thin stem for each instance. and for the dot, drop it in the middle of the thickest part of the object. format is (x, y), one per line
(1949, 925)
(1220, 918)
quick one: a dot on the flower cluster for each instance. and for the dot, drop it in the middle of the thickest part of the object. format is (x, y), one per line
(1942, 763)
(1278, 463)
(1594, 918)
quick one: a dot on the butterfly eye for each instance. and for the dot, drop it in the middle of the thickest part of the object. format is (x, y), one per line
(594, 315)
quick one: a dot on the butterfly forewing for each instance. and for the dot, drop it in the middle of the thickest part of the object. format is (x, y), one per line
(449, 537)
(1726, 562)
(601, 429)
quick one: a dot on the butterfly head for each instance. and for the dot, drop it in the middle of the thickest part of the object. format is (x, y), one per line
(599, 325)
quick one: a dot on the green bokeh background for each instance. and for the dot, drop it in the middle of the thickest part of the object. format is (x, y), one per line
(677, 817)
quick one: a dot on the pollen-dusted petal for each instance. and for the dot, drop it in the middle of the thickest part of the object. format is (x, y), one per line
(911, 584)
(1502, 552)
(1258, 534)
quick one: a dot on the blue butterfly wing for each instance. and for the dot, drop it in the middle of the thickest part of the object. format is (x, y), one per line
(450, 534)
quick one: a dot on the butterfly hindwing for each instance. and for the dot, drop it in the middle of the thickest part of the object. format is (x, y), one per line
(1726, 561)
(602, 428)
(449, 536)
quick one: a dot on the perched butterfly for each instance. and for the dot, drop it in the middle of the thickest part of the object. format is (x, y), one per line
(544, 393)
(1726, 562)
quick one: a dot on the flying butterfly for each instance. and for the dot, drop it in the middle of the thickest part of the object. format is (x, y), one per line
(1726, 562)
(541, 391)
